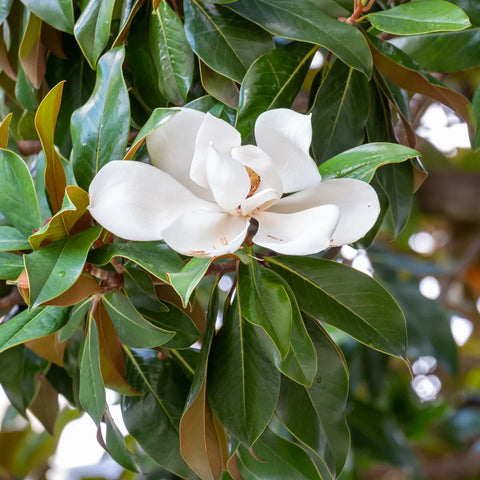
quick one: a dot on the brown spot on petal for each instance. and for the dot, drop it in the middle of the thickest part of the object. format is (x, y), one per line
(254, 181)
(275, 238)
(224, 241)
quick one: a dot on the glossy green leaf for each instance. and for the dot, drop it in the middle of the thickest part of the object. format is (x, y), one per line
(25, 92)
(55, 268)
(362, 162)
(18, 201)
(226, 42)
(423, 16)
(185, 281)
(27, 326)
(397, 182)
(443, 52)
(141, 291)
(219, 86)
(5, 6)
(131, 327)
(323, 290)
(129, 10)
(100, 128)
(243, 383)
(209, 104)
(116, 447)
(11, 265)
(92, 29)
(278, 459)
(155, 257)
(471, 8)
(340, 112)
(78, 313)
(172, 54)
(272, 81)
(91, 389)
(305, 21)
(265, 302)
(165, 389)
(12, 239)
(58, 13)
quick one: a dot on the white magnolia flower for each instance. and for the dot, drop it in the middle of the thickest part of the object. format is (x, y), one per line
(204, 188)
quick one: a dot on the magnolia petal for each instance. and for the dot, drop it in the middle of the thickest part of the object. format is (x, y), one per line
(261, 163)
(260, 200)
(285, 136)
(214, 131)
(357, 201)
(301, 233)
(136, 201)
(228, 180)
(171, 147)
(206, 233)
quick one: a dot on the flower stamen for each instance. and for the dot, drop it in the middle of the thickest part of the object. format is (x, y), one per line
(254, 181)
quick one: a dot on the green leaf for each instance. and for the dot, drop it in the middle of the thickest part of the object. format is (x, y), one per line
(397, 183)
(185, 281)
(424, 16)
(18, 200)
(362, 162)
(155, 257)
(324, 291)
(91, 389)
(11, 266)
(100, 128)
(55, 268)
(27, 326)
(132, 329)
(209, 104)
(57, 13)
(165, 390)
(30, 53)
(219, 86)
(305, 21)
(92, 29)
(265, 302)
(172, 54)
(5, 6)
(443, 52)
(277, 458)
(243, 383)
(340, 112)
(272, 81)
(12, 239)
(141, 291)
(226, 42)
(471, 8)
(78, 313)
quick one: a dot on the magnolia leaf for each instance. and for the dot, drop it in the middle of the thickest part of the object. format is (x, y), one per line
(92, 29)
(45, 121)
(306, 21)
(128, 13)
(91, 389)
(12, 239)
(55, 268)
(424, 16)
(58, 13)
(4, 126)
(323, 291)
(78, 313)
(32, 52)
(49, 348)
(219, 86)
(100, 128)
(27, 326)
(83, 288)
(11, 265)
(62, 223)
(362, 162)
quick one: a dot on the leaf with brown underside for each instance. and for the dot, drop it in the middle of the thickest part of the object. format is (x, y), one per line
(5, 63)
(48, 347)
(32, 52)
(45, 404)
(45, 121)
(83, 288)
(112, 358)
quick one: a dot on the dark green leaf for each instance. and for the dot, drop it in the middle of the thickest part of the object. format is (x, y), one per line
(141, 291)
(91, 388)
(172, 54)
(324, 291)
(471, 8)
(425, 16)
(18, 201)
(11, 265)
(131, 327)
(226, 42)
(243, 383)
(58, 13)
(155, 257)
(153, 418)
(5, 6)
(12, 239)
(340, 112)
(92, 29)
(100, 128)
(55, 268)
(218, 109)
(306, 21)
(362, 162)
(77, 314)
(219, 86)
(265, 302)
(272, 81)
(27, 326)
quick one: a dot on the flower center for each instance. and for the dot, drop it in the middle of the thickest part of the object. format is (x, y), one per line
(254, 181)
